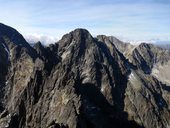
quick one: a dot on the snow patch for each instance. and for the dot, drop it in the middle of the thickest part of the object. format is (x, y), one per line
(9, 115)
(6, 82)
(131, 76)
(102, 88)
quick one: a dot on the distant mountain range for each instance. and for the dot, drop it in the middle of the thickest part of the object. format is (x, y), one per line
(165, 46)
(82, 82)
(46, 40)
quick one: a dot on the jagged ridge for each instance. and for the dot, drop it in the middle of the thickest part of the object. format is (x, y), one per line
(80, 81)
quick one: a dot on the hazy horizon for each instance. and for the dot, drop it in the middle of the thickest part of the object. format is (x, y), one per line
(145, 20)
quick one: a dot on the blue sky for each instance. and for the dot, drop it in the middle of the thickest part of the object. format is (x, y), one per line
(126, 19)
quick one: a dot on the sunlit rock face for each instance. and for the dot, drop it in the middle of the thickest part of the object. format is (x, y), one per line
(82, 82)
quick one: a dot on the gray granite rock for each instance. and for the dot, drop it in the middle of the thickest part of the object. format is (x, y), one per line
(79, 82)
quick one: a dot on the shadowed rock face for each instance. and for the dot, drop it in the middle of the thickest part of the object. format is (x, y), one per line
(147, 55)
(148, 58)
(79, 82)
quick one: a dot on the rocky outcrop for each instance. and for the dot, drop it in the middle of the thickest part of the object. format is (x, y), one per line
(149, 58)
(147, 55)
(152, 60)
(78, 82)
(123, 47)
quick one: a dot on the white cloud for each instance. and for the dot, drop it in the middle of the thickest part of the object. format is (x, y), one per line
(44, 39)
(136, 20)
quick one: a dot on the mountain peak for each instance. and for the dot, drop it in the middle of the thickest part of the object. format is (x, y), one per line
(12, 35)
(81, 33)
(81, 82)
(81, 30)
(77, 38)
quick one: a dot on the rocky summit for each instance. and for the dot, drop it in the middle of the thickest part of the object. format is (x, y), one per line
(82, 82)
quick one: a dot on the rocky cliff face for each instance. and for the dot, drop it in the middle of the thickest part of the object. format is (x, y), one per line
(79, 82)
(123, 47)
